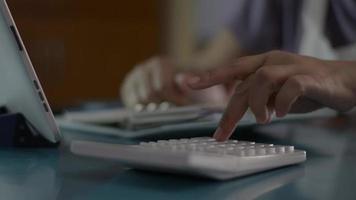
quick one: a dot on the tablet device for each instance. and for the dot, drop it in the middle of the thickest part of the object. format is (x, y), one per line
(20, 89)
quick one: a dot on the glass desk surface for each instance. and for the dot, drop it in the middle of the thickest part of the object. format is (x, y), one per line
(329, 173)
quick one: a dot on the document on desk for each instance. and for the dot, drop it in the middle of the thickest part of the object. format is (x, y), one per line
(133, 120)
(128, 124)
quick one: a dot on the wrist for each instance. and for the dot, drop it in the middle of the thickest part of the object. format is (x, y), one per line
(352, 78)
(348, 76)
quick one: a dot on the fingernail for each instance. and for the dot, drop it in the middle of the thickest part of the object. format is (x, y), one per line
(266, 118)
(280, 114)
(270, 116)
(194, 80)
(261, 120)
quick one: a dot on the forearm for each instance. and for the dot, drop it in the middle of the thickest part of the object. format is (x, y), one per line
(349, 74)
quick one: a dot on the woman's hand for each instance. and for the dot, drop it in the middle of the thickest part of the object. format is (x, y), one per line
(281, 82)
(157, 80)
(154, 81)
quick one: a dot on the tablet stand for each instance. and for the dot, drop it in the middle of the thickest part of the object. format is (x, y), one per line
(16, 131)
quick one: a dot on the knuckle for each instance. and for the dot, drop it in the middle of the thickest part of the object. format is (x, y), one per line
(265, 76)
(296, 83)
(242, 60)
(208, 75)
(277, 56)
(274, 53)
(263, 73)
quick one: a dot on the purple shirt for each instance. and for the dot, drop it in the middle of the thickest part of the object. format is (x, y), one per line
(264, 25)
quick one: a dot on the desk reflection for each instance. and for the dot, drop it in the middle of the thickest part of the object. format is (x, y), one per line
(254, 189)
(111, 181)
(28, 174)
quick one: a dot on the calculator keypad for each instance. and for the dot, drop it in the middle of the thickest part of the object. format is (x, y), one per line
(210, 145)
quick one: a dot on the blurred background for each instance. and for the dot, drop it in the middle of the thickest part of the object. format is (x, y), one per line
(83, 49)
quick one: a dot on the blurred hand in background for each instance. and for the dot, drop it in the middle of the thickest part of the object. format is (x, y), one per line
(158, 80)
(162, 79)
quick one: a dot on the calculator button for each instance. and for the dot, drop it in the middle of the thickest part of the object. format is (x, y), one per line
(261, 151)
(241, 153)
(206, 139)
(260, 145)
(213, 142)
(290, 148)
(236, 152)
(280, 149)
(230, 151)
(200, 149)
(271, 150)
(191, 147)
(250, 147)
(151, 107)
(184, 140)
(232, 141)
(193, 141)
(162, 142)
(251, 152)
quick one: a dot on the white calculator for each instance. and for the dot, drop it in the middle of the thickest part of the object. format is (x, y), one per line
(202, 156)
